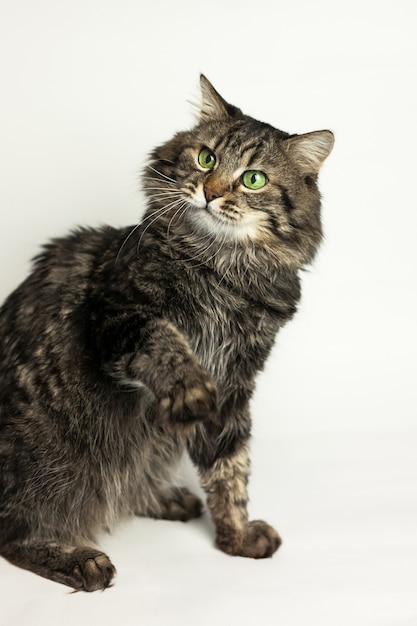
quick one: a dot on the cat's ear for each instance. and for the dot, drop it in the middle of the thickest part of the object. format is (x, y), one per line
(213, 106)
(311, 149)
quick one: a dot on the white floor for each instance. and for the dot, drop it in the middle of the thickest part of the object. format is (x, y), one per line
(346, 506)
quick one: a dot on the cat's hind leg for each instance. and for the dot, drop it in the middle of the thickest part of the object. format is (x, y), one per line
(180, 504)
(174, 503)
(82, 568)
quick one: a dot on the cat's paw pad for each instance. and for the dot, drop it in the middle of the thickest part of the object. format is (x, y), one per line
(192, 397)
(91, 571)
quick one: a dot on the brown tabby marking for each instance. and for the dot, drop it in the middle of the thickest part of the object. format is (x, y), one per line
(125, 348)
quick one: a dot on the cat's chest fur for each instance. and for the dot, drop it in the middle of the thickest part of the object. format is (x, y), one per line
(230, 333)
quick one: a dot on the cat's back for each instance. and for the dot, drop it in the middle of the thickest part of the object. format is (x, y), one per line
(58, 282)
(43, 322)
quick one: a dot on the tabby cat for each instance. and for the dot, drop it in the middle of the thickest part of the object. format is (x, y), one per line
(124, 348)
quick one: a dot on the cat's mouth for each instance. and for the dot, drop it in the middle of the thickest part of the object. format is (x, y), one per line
(220, 214)
(214, 216)
(215, 209)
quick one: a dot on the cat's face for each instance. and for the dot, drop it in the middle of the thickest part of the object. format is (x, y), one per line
(241, 179)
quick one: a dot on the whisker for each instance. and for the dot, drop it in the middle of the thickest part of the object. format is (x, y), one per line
(161, 174)
(126, 240)
(147, 218)
(249, 258)
(183, 207)
(158, 179)
(232, 261)
(203, 248)
(206, 260)
(160, 212)
(155, 196)
(201, 253)
(161, 188)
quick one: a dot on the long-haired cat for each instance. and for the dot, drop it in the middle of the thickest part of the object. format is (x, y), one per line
(126, 347)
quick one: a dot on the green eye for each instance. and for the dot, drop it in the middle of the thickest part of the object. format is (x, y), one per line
(207, 159)
(253, 179)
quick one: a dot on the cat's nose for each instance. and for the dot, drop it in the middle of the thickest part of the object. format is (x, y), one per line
(211, 194)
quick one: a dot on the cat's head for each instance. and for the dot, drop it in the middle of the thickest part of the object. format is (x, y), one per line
(242, 181)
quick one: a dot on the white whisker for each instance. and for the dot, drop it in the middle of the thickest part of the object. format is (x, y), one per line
(183, 208)
(162, 211)
(206, 260)
(159, 180)
(161, 174)
(161, 188)
(161, 195)
(212, 240)
(147, 218)
(232, 261)
(126, 240)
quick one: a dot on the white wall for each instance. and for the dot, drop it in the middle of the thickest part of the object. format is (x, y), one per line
(88, 87)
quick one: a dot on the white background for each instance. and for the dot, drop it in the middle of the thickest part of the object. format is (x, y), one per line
(88, 87)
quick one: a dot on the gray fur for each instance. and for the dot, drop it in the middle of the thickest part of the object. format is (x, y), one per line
(126, 347)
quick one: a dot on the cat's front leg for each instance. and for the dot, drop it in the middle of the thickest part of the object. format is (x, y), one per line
(225, 483)
(164, 362)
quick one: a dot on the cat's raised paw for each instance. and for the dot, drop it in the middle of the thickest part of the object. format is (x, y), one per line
(192, 397)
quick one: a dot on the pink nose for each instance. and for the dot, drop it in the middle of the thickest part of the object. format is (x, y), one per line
(211, 194)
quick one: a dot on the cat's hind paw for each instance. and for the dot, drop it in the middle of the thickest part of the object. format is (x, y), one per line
(181, 504)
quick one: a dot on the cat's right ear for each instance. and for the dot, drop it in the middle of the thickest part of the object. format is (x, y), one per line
(213, 106)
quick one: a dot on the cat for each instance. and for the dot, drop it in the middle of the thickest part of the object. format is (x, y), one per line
(125, 348)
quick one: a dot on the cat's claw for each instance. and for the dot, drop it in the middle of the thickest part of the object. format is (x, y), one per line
(92, 573)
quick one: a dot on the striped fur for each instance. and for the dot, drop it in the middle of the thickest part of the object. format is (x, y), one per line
(126, 347)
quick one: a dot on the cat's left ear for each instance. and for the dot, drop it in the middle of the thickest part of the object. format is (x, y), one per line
(311, 149)
(213, 106)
